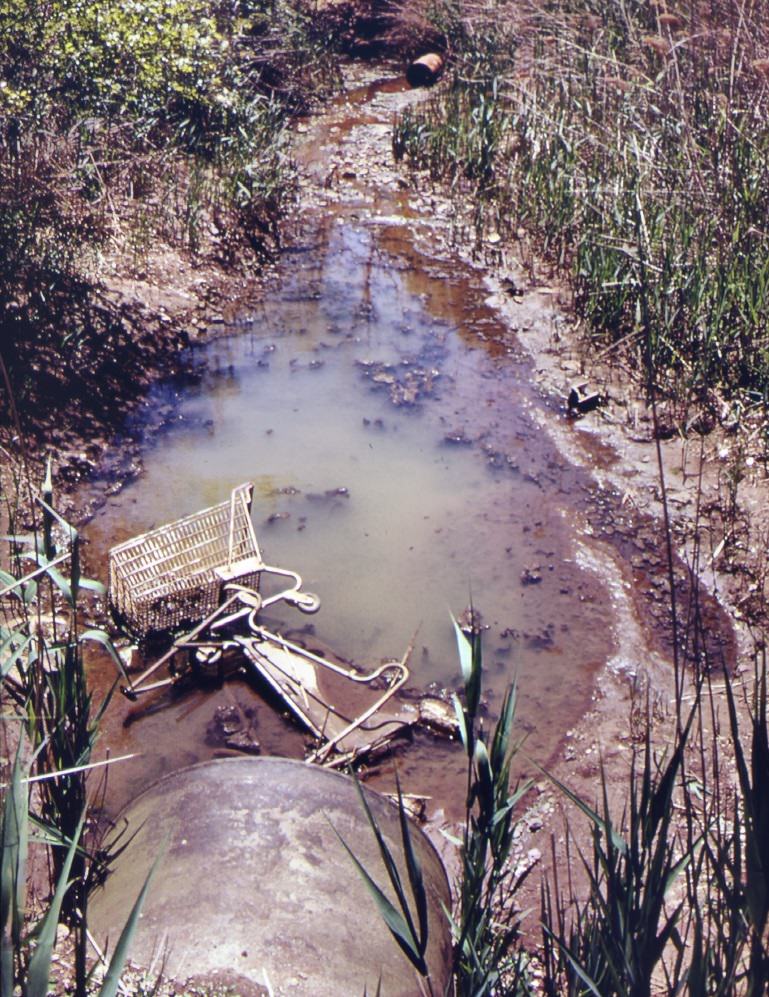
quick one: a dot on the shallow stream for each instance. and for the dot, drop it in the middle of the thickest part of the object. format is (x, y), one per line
(403, 465)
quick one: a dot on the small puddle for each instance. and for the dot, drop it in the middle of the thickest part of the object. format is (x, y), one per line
(389, 423)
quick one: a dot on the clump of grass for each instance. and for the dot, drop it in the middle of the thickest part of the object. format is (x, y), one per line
(632, 145)
(674, 887)
(485, 923)
(54, 726)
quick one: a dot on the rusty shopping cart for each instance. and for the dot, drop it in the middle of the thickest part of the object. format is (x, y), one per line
(186, 576)
(199, 579)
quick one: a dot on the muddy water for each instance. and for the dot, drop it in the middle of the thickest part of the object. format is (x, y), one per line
(402, 465)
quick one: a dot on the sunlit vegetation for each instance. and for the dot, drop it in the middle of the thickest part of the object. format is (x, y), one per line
(48, 731)
(628, 143)
(125, 126)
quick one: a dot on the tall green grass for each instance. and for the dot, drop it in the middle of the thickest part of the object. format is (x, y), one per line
(51, 725)
(130, 127)
(632, 146)
(485, 921)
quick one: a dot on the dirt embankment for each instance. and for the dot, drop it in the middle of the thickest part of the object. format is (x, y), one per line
(76, 369)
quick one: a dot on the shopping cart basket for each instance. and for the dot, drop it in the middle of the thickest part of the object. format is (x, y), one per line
(172, 578)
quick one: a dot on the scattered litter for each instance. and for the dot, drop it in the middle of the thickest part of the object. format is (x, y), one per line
(580, 403)
(209, 566)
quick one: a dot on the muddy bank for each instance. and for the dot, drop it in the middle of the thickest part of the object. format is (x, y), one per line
(72, 401)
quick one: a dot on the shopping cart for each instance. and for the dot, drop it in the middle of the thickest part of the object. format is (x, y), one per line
(192, 575)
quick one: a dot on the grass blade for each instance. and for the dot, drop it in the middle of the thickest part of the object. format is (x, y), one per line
(112, 978)
(40, 965)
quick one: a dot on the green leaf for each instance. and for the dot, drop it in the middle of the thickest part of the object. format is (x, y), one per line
(388, 860)
(465, 649)
(40, 965)
(9, 662)
(100, 637)
(6, 964)
(461, 721)
(11, 583)
(414, 870)
(62, 584)
(392, 917)
(576, 965)
(7, 578)
(616, 839)
(112, 978)
(93, 585)
(14, 842)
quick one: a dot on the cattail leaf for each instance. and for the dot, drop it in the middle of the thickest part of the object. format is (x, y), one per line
(459, 713)
(24, 590)
(394, 920)
(39, 973)
(62, 584)
(605, 826)
(48, 513)
(14, 844)
(500, 746)
(100, 637)
(93, 585)
(8, 579)
(112, 978)
(6, 963)
(387, 858)
(465, 649)
(414, 870)
(9, 661)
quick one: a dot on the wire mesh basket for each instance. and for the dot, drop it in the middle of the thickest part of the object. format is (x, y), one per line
(172, 577)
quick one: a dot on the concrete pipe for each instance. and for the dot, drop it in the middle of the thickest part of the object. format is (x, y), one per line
(425, 70)
(255, 889)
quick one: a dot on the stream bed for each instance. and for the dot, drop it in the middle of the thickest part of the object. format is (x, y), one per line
(403, 465)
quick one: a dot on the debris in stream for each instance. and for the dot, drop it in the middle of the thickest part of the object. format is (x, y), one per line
(406, 386)
(458, 438)
(209, 566)
(414, 804)
(245, 742)
(579, 403)
(471, 621)
(425, 70)
(227, 720)
(531, 575)
(231, 727)
(330, 495)
(438, 715)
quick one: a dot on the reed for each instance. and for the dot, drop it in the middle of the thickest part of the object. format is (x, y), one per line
(632, 146)
(486, 925)
(485, 922)
(54, 725)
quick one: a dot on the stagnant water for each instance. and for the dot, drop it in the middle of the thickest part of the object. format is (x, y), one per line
(402, 466)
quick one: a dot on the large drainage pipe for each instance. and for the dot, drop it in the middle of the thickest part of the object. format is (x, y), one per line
(255, 886)
(425, 70)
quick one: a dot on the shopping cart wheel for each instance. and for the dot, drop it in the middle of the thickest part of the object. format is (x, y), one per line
(307, 602)
(205, 657)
